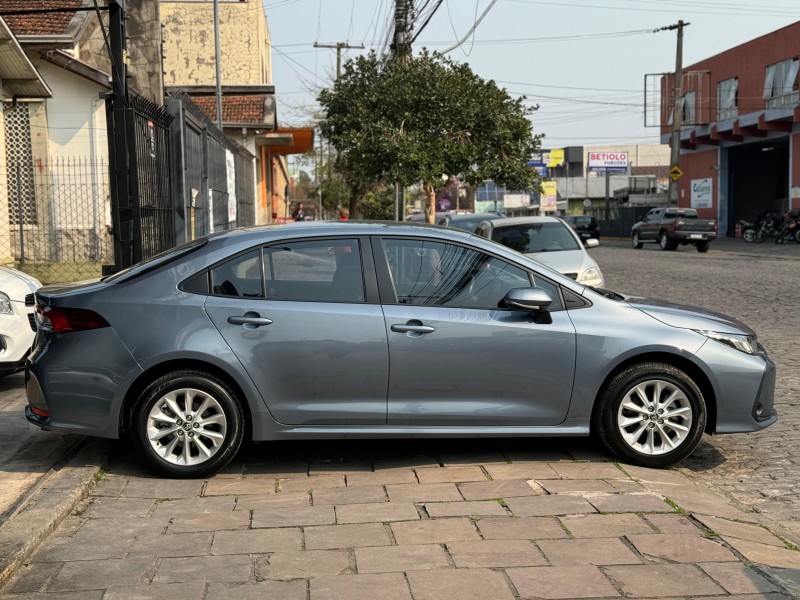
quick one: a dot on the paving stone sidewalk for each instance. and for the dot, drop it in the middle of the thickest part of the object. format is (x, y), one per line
(422, 520)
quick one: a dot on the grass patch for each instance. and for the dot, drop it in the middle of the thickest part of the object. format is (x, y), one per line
(673, 504)
(710, 535)
(62, 272)
(99, 476)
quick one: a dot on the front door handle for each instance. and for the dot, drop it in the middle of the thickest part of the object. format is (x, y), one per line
(412, 327)
(250, 320)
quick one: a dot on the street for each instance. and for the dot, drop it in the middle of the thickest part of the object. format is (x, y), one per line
(451, 518)
(760, 470)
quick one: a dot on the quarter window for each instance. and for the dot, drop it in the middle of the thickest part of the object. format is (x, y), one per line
(240, 276)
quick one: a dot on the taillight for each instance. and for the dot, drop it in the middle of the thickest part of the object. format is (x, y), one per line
(62, 320)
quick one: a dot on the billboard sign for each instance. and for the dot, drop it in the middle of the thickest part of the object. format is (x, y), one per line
(702, 193)
(549, 198)
(516, 200)
(608, 161)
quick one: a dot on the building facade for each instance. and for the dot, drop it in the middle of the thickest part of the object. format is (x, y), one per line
(740, 134)
(249, 114)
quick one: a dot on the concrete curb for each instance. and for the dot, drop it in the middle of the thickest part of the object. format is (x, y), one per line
(47, 507)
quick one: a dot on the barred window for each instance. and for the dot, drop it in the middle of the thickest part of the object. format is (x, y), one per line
(19, 159)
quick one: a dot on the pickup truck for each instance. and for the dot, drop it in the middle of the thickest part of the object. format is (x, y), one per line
(672, 226)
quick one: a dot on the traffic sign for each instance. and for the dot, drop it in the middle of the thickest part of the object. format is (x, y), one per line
(675, 173)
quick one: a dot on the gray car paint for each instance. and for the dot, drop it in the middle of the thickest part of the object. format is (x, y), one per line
(84, 376)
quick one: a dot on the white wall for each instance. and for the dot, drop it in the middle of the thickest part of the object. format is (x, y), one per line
(76, 121)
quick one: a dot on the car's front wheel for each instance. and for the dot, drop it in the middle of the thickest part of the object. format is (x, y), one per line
(188, 424)
(635, 241)
(650, 414)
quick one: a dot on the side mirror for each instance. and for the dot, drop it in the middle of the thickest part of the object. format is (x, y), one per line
(641, 218)
(532, 299)
(592, 243)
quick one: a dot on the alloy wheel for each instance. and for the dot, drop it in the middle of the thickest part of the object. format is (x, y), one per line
(186, 427)
(654, 417)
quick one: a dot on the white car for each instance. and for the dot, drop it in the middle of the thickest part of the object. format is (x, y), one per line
(17, 319)
(550, 241)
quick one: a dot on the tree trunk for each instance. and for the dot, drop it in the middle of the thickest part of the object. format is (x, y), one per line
(357, 192)
(430, 208)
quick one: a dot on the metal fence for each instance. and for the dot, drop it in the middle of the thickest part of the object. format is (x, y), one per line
(214, 185)
(151, 126)
(621, 219)
(58, 220)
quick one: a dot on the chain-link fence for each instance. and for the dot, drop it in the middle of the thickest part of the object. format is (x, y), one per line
(57, 218)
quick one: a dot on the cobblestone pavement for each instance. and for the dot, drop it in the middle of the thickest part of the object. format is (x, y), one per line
(761, 470)
(468, 519)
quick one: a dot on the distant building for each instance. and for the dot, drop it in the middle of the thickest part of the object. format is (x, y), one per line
(740, 136)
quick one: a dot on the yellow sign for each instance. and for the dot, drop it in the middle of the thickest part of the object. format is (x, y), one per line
(555, 157)
(549, 197)
(675, 173)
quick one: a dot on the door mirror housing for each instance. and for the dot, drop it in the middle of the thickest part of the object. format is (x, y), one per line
(592, 243)
(531, 299)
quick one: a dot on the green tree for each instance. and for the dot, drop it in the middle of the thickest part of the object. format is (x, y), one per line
(378, 204)
(421, 120)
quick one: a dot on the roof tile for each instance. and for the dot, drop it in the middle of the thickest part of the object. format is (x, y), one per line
(235, 109)
(41, 23)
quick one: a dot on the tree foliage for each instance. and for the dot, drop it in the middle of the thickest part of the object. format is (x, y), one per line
(423, 119)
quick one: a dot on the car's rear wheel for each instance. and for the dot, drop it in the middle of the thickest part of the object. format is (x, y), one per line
(665, 242)
(635, 241)
(188, 424)
(650, 414)
(703, 246)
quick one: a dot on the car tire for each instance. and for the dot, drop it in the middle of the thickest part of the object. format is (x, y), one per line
(665, 242)
(628, 422)
(188, 424)
(635, 241)
(703, 246)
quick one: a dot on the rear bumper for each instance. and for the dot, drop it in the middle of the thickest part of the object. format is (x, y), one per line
(694, 236)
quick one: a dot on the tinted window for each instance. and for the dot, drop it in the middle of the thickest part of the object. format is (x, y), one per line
(240, 276)
(315, 271)
(580, 221)
(433, 273)
(535, 237)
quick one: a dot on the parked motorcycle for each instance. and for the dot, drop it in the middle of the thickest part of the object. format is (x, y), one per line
(769, 224)
(790, 231)
(748, 230)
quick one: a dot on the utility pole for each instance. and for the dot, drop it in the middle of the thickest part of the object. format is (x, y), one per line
(339, 46)
(217, 65)
(677, 112)
(401, 43)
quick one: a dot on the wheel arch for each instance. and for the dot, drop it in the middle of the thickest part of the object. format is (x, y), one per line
(679, 362)
(145, 378)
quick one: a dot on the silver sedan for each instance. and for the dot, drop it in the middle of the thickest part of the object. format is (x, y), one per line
(349, 329)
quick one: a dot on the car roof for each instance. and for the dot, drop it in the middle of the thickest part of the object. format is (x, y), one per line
(473, 216)
(524, 221)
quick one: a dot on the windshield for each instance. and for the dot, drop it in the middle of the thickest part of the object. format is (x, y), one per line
(535, 237)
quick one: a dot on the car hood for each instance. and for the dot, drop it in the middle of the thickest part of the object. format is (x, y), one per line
(564, 261)
(688, 317)
(17, 284)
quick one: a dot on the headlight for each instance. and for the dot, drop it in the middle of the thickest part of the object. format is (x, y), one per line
(744, 343)
(6, 308)
(591, 274)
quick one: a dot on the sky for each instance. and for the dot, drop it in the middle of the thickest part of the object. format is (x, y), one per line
(583, 62)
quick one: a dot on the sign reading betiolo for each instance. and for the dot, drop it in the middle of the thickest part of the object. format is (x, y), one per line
(608, 161)
(675, 173)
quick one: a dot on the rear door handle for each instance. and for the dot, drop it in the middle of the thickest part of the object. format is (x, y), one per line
(250, 320)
